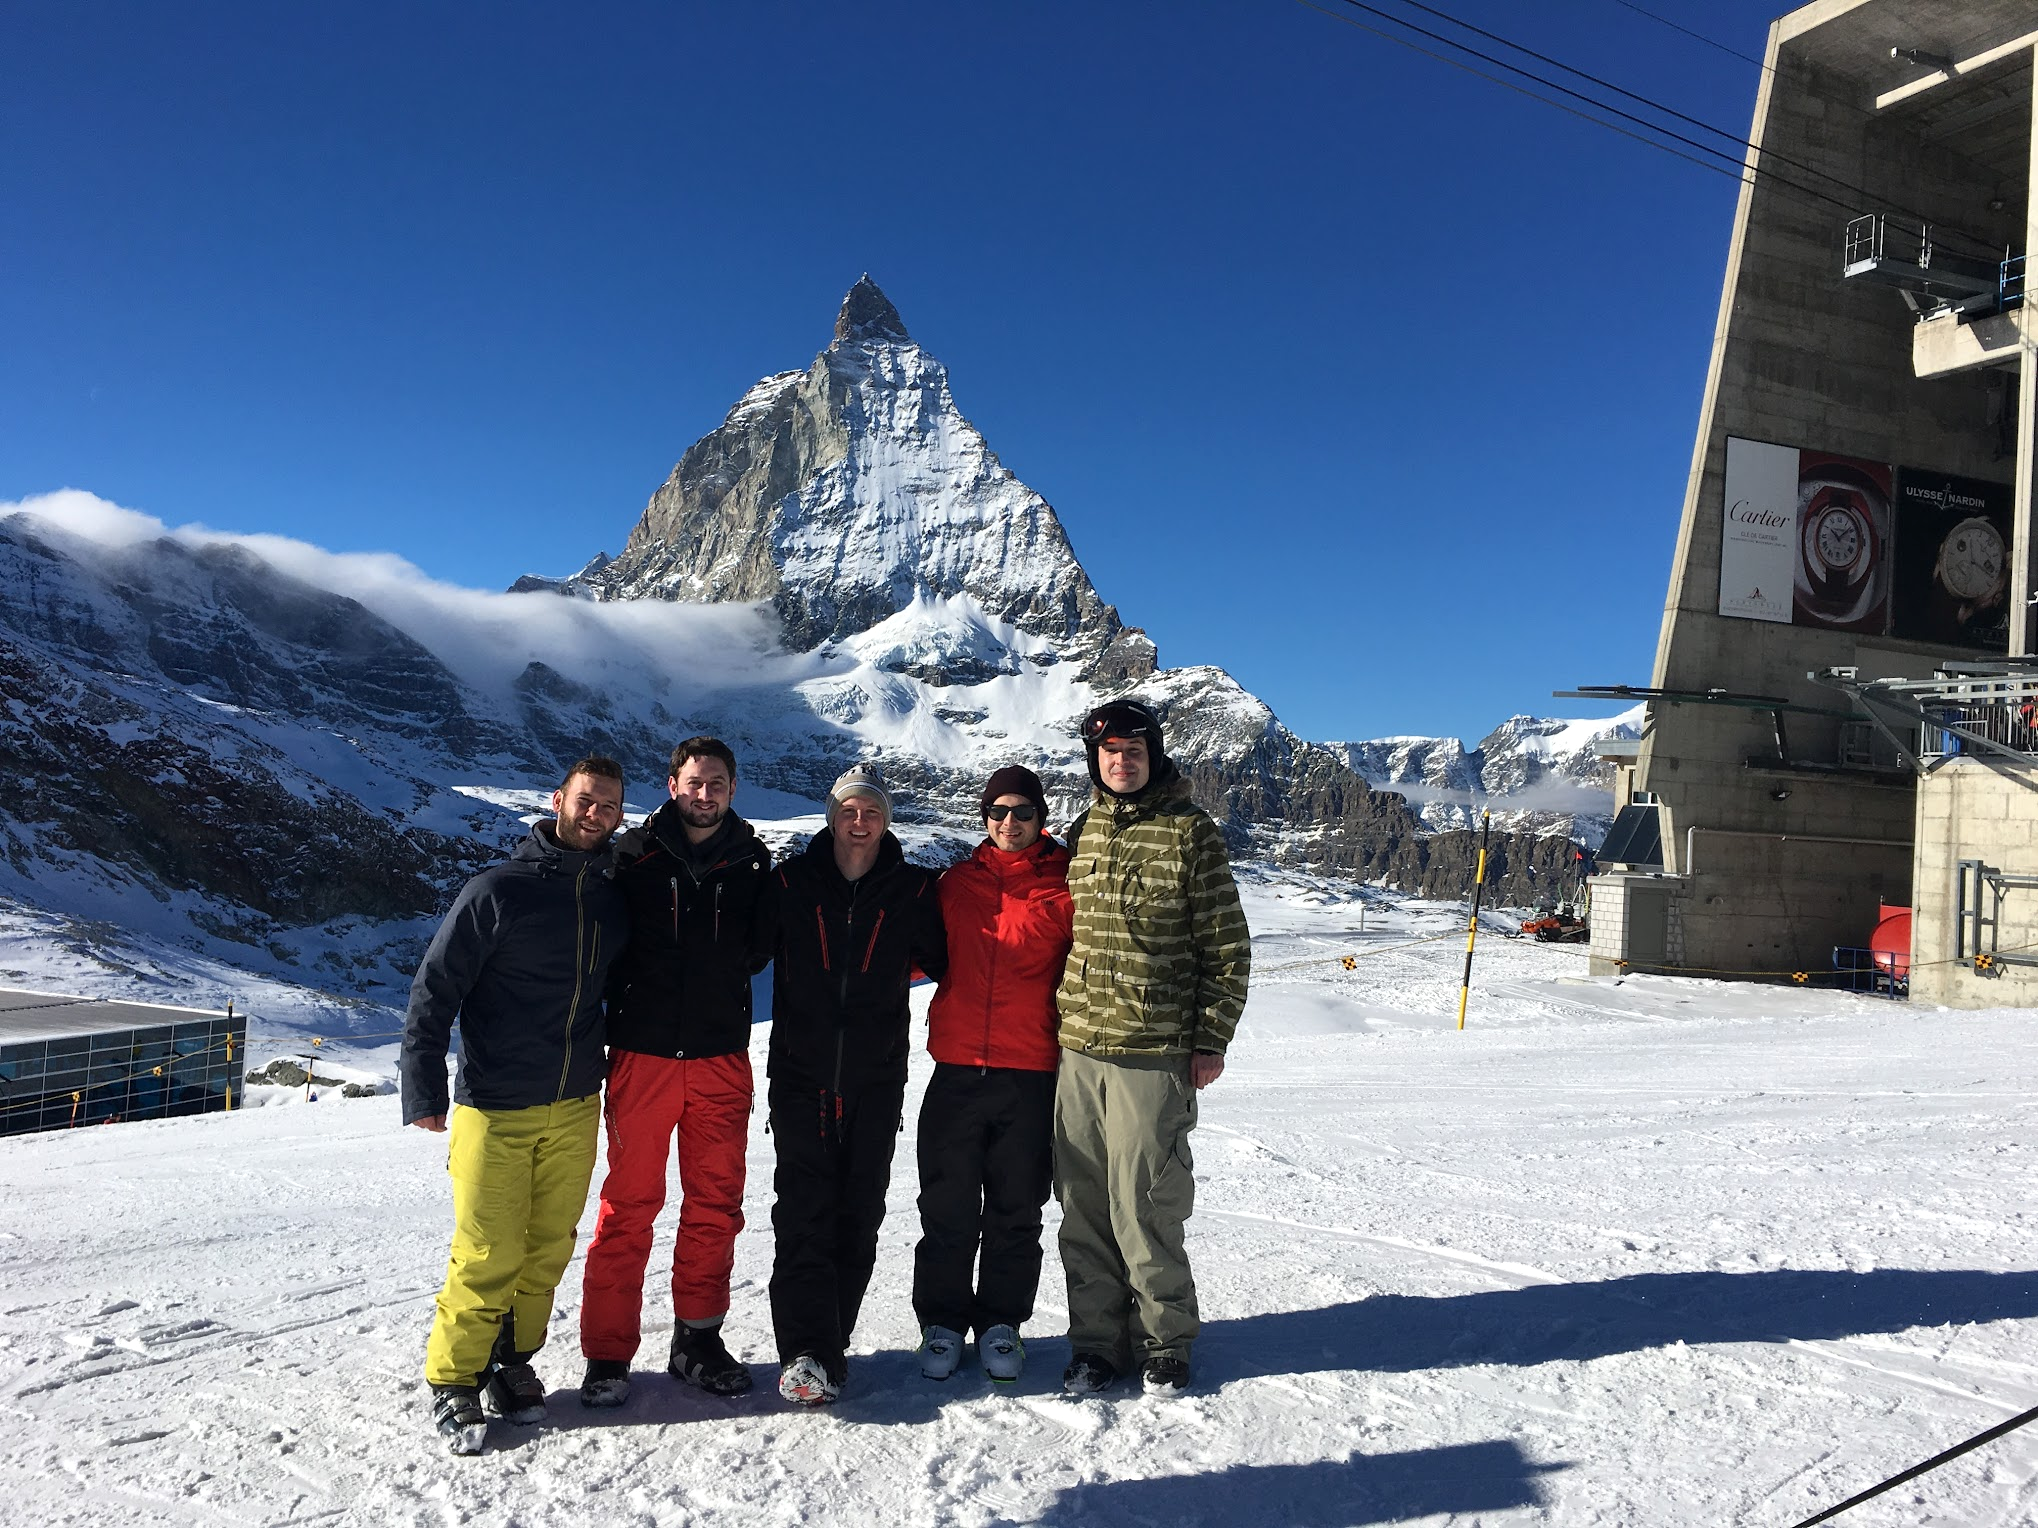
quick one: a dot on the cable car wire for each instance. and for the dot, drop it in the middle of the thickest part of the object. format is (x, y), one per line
(1733, 170)
(1698, 36)
(1741, 143)
(1719, 160)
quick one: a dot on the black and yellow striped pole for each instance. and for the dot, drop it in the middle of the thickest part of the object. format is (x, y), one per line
(1472, 933)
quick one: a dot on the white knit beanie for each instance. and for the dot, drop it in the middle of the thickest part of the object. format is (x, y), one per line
(862, 780)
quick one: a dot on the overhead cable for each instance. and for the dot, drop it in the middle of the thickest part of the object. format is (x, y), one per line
(1869, 198)
(1697, 36)
(1738, 171)
(1736, 167)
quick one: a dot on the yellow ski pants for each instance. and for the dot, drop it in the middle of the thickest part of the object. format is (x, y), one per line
(520, 1179)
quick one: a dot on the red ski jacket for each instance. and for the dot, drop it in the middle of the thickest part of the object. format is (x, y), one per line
(1010, 923)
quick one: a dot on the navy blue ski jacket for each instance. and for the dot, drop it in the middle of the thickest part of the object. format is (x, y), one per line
(520, 961)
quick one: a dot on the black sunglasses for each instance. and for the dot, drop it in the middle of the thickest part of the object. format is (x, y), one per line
(1000, 813)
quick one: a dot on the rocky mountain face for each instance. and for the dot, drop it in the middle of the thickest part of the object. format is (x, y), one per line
(856, 498)
(289, 759)
(1534, 774)
(844, 492)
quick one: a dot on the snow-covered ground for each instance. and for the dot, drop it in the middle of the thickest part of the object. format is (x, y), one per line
(1647, 1252)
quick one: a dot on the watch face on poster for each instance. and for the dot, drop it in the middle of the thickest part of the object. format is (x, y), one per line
(1972, 566)
(1952, 560)
(1842, 519)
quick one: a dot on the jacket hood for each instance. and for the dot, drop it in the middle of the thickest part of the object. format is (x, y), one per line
(1168, 785)
(1041, 857)
(542, 850)
(731, 834)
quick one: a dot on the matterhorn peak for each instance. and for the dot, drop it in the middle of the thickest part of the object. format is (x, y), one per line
(855, 492)
(867, 314)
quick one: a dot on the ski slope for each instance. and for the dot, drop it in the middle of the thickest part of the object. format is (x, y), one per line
(1647, 1252)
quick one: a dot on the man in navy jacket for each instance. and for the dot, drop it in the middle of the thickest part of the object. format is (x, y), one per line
(520, 961)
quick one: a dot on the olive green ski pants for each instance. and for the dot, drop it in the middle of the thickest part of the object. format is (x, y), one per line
(1127, 1184)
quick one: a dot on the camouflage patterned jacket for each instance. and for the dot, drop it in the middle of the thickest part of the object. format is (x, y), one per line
(1161, 948)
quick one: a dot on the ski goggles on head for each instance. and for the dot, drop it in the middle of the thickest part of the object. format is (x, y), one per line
(1024, 813)
(1120, 721)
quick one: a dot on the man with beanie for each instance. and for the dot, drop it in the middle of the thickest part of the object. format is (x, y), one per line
(1154, 987)
(703, 919)
(520, 962)
(854, 920)
(987, 1122)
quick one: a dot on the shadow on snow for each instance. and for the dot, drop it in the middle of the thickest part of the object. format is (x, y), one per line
(1332, 1493)
(1542, 1323)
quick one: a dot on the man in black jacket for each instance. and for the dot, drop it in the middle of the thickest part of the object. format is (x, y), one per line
(854, 921)
(698, 885)
(520, 961)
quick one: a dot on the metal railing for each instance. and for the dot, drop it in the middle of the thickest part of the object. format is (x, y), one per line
(1977, 714)
(1976, 709)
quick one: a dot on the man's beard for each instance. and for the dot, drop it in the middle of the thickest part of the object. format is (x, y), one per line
(701, 814)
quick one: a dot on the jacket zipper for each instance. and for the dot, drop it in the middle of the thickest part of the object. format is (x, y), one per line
(991, 983)
(579, 950)
(675, 912)
(842, 999)
(718, 912)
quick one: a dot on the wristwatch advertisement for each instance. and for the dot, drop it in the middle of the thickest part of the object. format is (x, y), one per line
(1843, 537)
(1812, 539)
(1953, 561)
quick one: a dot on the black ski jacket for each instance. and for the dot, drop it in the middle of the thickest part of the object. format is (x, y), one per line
(701, 925)
(846, 953)
(521, 961)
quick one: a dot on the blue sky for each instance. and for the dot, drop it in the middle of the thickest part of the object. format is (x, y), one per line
(1366, 379)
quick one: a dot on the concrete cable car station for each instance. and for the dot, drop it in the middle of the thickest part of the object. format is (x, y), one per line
(1843, 716)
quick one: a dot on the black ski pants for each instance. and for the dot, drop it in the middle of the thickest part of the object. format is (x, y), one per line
(986, 1167)
(834, 1165)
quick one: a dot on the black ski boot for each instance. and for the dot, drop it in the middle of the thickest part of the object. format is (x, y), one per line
(607, 1383)
(456, 1413)
(699, 1357)
(511, 1385)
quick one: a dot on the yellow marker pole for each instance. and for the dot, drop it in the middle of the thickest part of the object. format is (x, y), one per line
(1472, 933)
(229, 1056)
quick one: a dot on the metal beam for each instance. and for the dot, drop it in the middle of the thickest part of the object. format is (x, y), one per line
(1960, 70)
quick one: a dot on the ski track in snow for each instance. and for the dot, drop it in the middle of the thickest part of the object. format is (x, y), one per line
(1621, 1253)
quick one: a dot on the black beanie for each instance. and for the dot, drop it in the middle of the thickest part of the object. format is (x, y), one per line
(1014, 780)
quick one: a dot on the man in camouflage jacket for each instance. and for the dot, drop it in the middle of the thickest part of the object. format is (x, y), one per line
(1151, 994)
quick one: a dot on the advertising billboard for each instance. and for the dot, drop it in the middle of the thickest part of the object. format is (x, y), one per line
(1757, 545)
(1815, 539)
(1841, 568)
(1953, 561)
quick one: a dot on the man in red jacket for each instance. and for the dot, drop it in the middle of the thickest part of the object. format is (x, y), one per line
(987, 1123)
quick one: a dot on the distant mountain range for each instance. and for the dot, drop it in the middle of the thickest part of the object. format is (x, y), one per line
(288, 758)
(1533, 774)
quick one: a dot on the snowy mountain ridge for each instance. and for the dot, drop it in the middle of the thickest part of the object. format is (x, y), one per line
(1535, 774)
(286, 759)
(852, 490)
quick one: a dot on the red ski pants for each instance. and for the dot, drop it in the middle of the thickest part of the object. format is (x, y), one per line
(652, 1099)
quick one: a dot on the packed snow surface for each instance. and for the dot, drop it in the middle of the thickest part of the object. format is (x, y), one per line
(1654, 1251)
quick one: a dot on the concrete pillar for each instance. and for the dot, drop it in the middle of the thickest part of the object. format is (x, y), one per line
(2022, 583)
